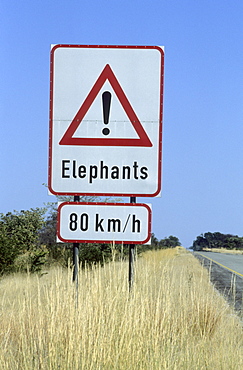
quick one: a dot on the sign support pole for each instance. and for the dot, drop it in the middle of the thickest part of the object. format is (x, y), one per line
(75, 253)
(131, 257)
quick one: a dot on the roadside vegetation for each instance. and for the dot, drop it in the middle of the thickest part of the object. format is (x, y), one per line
(218, 242)
(224, 250)
(28, 243)
(172, 319)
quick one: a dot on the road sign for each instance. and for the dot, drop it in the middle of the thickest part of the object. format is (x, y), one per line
(106, 120)
(104, 222)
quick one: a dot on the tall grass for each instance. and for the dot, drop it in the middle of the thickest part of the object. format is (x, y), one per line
(173, 319)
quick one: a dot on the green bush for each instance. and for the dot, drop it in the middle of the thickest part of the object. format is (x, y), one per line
(19, 234)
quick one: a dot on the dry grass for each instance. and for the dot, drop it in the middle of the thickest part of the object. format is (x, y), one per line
(224, 250)
(173, 319)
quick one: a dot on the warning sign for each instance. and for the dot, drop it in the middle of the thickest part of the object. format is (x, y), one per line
(142, 139)
(106, 120)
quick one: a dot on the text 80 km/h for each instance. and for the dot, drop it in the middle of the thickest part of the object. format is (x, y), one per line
(101, 225)
(104, 222)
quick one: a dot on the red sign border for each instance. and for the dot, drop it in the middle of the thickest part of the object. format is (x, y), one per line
(133, 194)
(103, 204)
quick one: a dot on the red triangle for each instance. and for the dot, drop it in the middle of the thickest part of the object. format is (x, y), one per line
(106, 74)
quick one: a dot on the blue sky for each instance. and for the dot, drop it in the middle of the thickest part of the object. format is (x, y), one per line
(203, 101)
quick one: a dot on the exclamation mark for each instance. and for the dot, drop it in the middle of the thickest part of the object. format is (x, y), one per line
(106, 100)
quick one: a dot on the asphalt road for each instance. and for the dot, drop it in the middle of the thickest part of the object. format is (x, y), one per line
(233, 262)
(226, 273)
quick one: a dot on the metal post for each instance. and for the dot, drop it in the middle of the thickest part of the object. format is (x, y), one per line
(131, 257)
(75, 253)
(75, 261)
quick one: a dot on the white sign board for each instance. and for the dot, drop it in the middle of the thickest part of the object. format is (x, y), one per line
(106, 120)
(104, 222)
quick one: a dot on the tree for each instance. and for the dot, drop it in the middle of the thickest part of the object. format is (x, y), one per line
(19, 233)
(154, 241)
(200, 243)
(170, 242)
(91, 254)
(57, 252)
(217, 240)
